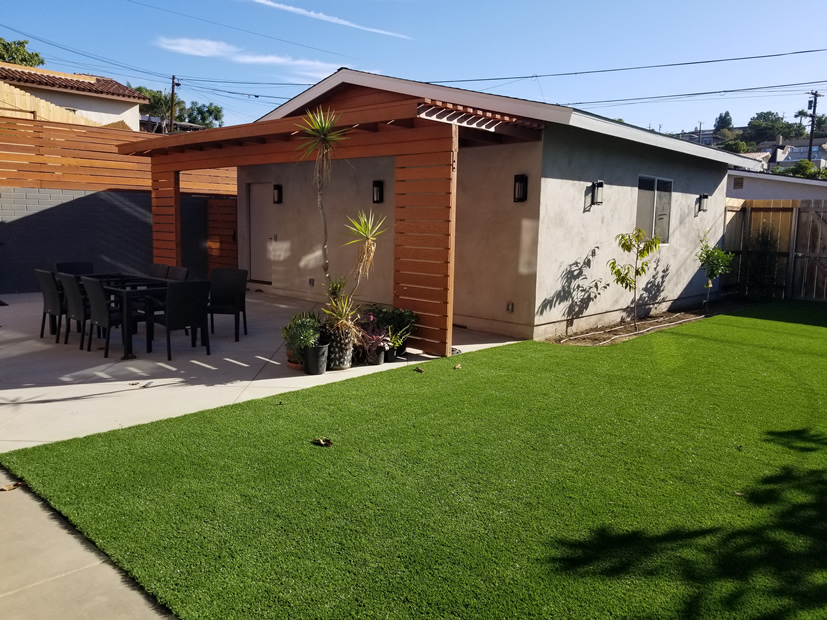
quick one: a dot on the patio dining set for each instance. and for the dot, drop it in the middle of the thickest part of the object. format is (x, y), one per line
(164, 296)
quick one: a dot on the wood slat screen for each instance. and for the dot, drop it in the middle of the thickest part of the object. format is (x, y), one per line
(222, 243)
(425, 219)
(43, 154)
(166, 218)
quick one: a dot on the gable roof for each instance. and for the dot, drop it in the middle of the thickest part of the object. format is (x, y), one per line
(525, 108)
(93, 85)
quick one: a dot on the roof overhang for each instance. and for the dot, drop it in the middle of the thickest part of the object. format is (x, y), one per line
(780, 178)
(510, 106)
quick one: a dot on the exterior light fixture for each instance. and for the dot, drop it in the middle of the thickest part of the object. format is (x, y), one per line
(597, 193)
(520, 187)
(277, 194)
(378, 192)
(703, 201)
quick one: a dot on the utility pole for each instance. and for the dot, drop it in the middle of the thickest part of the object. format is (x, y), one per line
(812, 104)
(172, 105)
(700, 131)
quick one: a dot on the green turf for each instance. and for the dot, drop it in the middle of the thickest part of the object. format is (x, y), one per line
(681, 474)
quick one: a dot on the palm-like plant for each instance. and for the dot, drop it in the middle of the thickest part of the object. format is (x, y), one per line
(366, 228)
(321, 137)
(801, 115)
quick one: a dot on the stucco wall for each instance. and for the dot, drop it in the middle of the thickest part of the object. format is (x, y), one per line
(576, 241)
(98, 109)
(775, 187)
(296, 254)
(496, 238)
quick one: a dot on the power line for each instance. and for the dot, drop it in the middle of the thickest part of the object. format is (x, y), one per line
(259, 34)
(592, 71)
(687, 95)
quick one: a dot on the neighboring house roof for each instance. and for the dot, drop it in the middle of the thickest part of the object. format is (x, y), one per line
(93, 85)
(507, 105)
(764, 156)
(803, 142)
(782, 178)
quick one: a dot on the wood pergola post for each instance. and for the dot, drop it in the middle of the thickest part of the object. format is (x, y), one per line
(424, 239)
(166, 217)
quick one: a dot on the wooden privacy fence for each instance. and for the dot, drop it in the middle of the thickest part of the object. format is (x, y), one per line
(43, 154)
(798, 267)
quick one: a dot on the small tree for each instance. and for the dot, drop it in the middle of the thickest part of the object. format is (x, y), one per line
(714, 261)
(626, 275)
(321, 137)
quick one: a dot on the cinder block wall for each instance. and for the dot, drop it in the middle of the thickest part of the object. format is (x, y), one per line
(39, 227)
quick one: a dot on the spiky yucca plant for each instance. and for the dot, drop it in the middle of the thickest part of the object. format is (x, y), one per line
(366, 228)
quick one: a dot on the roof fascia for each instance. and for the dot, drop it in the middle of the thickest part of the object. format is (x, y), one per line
(777, 177)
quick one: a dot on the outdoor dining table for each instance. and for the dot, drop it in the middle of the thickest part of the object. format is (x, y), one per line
(129, 287)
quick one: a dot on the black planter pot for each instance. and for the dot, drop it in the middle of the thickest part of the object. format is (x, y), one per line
(375, 357)
(315, 359)
(390, 355)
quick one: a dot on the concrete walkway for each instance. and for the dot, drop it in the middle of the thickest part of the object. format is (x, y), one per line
(50, 392)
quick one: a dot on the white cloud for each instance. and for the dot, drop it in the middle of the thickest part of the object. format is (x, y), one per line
(326, 18)
(197, 47)
(308, 68)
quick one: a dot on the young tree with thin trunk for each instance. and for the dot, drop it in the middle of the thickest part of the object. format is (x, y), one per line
(626, 275)
(321, 137)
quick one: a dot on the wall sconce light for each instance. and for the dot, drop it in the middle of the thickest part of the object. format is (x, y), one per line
(378, 192)
(520, 187)
(703, 201)
(277, 194)
(597, 193)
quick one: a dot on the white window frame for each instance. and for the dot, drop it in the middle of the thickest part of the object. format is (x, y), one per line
(650, 230)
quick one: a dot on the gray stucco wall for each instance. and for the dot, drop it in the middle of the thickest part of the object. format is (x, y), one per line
(296, 255)
(574, 235)
(496, 238)
(39, 227)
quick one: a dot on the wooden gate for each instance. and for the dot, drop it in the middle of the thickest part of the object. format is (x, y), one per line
(810, 267)
(222, 238)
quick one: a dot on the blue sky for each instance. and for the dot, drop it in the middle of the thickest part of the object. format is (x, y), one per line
(273, 49)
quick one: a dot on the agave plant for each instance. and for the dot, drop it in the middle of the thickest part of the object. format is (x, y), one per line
(321, 137)
(366, 228)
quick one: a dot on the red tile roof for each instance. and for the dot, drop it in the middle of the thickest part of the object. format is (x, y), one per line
(94, 85)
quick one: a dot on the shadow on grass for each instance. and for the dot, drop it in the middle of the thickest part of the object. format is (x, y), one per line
(812, 313)
(772, 568)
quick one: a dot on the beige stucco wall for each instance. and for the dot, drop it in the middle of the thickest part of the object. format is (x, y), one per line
(496, 238)
(570, 230)
(775, 187)
(98, 109)
(297, 256)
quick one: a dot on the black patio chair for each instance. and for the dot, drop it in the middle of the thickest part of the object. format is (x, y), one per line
(228, 295)
(179, 274)
(103, 312)
(54, 304)
(185, 307)
(158, 270)
(77, 307)
(78, 268)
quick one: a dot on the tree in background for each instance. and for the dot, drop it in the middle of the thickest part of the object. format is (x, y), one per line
(206, 114)
(16, 53)
(803, 168)
(767, 126)
(801, 115)
(723, 121)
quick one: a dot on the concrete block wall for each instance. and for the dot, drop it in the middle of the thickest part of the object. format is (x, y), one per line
(113, 230)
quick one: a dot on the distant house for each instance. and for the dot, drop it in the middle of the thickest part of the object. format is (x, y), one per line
(155, 124)
(785, 153)
(501, 213)
(29, 92)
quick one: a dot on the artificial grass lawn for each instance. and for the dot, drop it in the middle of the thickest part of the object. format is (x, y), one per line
(681, 474)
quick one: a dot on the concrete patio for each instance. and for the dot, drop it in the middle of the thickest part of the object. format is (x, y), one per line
(51, 392)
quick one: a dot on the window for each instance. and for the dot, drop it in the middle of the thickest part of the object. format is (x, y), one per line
(654, 206)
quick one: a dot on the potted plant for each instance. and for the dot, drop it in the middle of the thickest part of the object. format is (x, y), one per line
(400, 323)
(396, 342)
(376, 343)
(341, 331)
(315, 357)
(300, 332)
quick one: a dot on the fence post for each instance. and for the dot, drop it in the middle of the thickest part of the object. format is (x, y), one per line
(788, 288)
